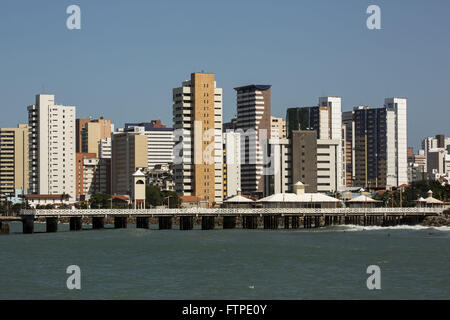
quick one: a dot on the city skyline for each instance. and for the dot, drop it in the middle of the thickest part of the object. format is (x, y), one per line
(86, 69)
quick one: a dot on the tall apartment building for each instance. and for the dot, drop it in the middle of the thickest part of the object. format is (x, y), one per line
(253, 122)
(198, 151)
(380, 145)
(160, 141)
(277, 168)
(304, 158)
(92, 132)
(278, 128)
(129, 153)
(51, 147)
(92, 175)
(14, 161)
(104, 148)
(326, 120)
(232, 163)
(349, 150)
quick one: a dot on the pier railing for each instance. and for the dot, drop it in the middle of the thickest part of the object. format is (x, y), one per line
(230, 212)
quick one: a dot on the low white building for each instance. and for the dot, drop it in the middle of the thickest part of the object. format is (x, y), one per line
(299, 199)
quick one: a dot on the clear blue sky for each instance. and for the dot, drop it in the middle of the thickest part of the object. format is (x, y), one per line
(128, 55)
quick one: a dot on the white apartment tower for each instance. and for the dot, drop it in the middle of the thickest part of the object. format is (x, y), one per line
(335, 133)
(232, 151)
(396, 136)
(51, 147)
(198, 150)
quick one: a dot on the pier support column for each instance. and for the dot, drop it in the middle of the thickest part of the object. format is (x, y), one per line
(51, 224)
(186, 223)
(271, 222)
(98, 222)
(229, 222)
(4, 227)
(208, 223)
(295, 222)
(75, 223)
(28, 224)
(143, 222)
(250, 222)
(165, 223)
(286, 222)
(120, 222)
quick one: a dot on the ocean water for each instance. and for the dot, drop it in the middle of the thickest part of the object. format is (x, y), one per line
(325, 263)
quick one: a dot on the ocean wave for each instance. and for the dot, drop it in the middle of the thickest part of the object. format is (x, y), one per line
(351, 227)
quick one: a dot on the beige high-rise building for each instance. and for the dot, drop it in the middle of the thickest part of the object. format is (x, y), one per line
(13, 160)
(129, 153)
(198, 153)
(91, 133)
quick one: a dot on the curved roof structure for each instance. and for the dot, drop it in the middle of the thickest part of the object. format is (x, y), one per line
(238, 199)
(304, 197)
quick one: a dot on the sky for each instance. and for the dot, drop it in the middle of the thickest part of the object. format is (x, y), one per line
(128, 55)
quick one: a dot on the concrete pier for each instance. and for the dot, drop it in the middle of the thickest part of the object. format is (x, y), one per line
(75, 223)
(143, 222)
(208, 223)
(295, 222)
(186, 222)
(51, 224)
(271, 222)
(250, 222)
(120, 222)
(229, 222)
(98, 222)
(4, 227)
(165, 223)
(28, 225)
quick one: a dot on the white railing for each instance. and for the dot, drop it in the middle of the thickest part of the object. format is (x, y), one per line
(230, 211)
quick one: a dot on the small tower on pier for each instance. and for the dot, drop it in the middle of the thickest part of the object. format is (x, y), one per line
(138, 190)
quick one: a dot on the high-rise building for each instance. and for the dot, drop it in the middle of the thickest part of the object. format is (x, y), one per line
(232, 164)
(129, 153)
(380, 145)
(92, 175)
(51, 147)
(254, 124)
(198, 150)
(326, 120)
(349, 150)
(92, 132)
(160, 141)
(14, 161)
(278, 128)
(397, 165)
(304, 159)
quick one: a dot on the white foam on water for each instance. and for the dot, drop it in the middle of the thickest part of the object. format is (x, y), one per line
(351, 227)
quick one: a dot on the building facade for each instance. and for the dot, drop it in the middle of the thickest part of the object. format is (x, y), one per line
(14, 163)
(129, 153)
(232, 164)
(52, 146)
(160, 141)
(198, 150)
(381, 145)
(253, 122)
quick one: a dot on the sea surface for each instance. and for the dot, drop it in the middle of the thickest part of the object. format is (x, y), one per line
(325, 263)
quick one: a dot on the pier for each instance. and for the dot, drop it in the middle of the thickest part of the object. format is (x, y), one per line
(268, 218)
